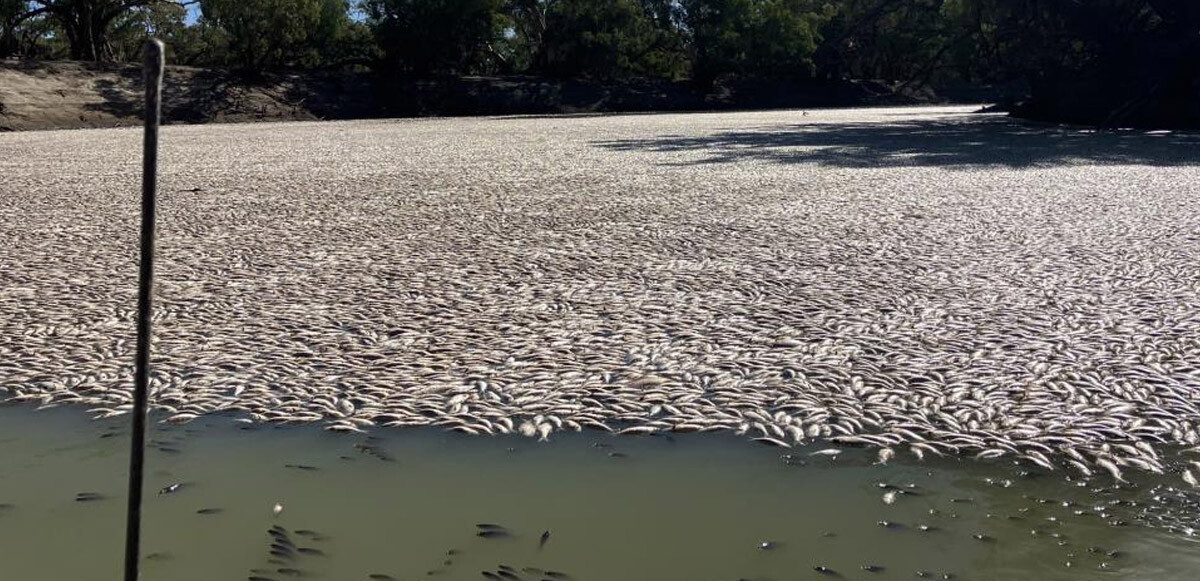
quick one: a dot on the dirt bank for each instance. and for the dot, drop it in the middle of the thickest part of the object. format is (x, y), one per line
(62, 95)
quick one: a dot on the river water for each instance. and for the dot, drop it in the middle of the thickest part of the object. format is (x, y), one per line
(405, 505)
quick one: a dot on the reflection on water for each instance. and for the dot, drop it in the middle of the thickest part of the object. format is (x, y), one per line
(407, 505)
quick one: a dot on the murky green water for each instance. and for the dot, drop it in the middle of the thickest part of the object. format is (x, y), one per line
(405, 504)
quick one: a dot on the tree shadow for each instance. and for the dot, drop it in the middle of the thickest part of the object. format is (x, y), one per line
(120, 95)
(955, 141)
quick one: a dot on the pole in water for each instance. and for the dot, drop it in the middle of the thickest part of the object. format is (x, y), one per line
(153, 63)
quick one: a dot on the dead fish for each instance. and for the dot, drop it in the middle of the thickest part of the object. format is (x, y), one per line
(289, 571)
(381, 577)
(258, 578)
(490, 575)
(830, 452)
(885, 454)
(542, 541)
(772, 442)
(170, 488)
(490, 527)
(492, 534)
(824, 570)
(310, 551)
(872, 568)
(306, 533)
(305, 467)
(209, 511)
(88, 496)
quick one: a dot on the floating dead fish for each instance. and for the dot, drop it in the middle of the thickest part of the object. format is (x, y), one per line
(885, 454)
(542, 541)
(170, 488)
(771, 442)
(209, 511)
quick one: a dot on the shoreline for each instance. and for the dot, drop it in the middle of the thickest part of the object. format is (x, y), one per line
(68, 95)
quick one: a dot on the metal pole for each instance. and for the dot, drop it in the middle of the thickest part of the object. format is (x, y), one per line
(153, 63)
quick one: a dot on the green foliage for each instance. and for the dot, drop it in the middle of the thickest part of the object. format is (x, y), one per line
(438, 36)
(10, 10)
(270, 33)
(776, 38)
(131, 29)
(609, 39)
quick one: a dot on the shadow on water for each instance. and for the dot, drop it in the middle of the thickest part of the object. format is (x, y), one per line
(953, 141)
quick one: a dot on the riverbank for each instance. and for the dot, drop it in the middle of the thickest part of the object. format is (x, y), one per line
(71, 95)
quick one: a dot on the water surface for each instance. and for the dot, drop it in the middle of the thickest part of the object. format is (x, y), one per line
(405, 505)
